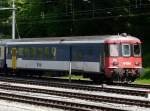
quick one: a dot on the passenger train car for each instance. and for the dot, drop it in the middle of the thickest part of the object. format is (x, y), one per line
(109, 57)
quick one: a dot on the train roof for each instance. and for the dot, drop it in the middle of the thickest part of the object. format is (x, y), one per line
(75, 39)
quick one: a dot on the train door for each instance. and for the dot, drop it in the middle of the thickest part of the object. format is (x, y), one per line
(2, 48)
(13, 59)
(102, 57)
(77, 58)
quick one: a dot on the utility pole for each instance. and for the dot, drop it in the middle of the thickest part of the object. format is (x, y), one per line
(13, 20)
(13, 17)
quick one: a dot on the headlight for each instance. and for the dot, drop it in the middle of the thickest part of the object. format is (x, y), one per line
(115, 63)
(137, 63)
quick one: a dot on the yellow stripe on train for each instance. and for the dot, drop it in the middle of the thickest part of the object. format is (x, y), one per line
(13, 58)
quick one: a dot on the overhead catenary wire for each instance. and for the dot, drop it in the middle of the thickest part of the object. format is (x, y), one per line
(101, 9)
(50, 19)
(87, 11)
(77, 13)
(83, 19)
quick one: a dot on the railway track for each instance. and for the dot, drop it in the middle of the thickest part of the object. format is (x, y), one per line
(76, 86)
(54, 103)
(133, 85)
(96, 98)
(89, 82)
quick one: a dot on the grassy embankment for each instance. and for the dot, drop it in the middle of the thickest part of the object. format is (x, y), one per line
(145, 78)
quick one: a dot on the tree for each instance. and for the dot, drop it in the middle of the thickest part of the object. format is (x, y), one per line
(41, 18)
(5, 19)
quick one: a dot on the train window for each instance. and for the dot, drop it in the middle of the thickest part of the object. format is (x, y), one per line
(90, 54)
(39, 53)
(114, 50)
(78, 55)
(32, 53)
(9, 52)
(20, 52)
(6, 51)
(46, 52)
(0, 52)
(126, 50)
(53, 52)
(137, 50)
(25, 52)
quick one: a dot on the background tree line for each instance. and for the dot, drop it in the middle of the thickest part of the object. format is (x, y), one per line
(45, 18)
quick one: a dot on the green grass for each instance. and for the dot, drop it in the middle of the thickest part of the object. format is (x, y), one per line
(145, 78)
(75, 77)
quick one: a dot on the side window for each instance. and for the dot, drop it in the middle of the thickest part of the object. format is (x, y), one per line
(78, 55)
(39, 53)
(32, 53)
(0, 52)
(90, 54)
(20, 52)
(46, 52)
(8, 52)
(53, 52)
(25, 51)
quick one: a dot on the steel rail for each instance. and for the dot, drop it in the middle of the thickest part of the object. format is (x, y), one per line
(133, 85)
(91, 97)
(55, 103)
(77, 86)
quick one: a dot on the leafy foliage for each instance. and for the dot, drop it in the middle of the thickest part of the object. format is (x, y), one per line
(40, 18)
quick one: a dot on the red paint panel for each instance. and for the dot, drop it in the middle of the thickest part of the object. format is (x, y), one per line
(124, 62)
(121, 62)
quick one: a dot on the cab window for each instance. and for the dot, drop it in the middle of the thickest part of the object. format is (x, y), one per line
(114, 50)
(126, 50)
(137, 50)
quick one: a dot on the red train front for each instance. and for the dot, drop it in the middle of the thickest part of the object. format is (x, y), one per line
(123, 61)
